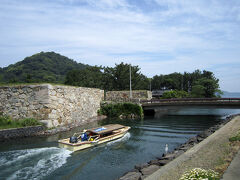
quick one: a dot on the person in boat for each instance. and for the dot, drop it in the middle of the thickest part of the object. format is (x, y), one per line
(84, 136)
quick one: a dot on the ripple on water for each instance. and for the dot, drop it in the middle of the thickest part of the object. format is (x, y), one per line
(31, 163)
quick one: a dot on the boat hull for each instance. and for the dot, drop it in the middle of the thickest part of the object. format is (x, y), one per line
(88, 144)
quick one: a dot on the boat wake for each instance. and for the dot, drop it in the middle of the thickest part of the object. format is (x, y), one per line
(31, 163)
(124, 138)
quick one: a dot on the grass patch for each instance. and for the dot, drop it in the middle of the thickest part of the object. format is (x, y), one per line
(28, 84)
(235, 138)
(6, 122)
(118, 109)
(229, 153)
(42, 83)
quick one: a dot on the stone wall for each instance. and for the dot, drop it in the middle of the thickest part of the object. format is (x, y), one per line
(123, 96)
(53, 105)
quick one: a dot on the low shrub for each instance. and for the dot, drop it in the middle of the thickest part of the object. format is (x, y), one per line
(175, 94)
(125, 109)
(5, 120)
(198, 173)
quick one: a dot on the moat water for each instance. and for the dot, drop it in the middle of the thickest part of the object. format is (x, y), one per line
(40, 157)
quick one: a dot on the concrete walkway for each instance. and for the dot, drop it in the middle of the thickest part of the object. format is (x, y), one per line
(233, 171)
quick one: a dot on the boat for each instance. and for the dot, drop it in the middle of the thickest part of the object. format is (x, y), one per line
(95, 136)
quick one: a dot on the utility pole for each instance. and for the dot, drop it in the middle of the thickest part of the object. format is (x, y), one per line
(130, 81)
(150, 88)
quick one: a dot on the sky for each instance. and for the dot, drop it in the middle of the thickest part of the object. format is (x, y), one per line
(160, 36)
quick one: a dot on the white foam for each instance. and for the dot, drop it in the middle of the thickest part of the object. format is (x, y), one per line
(33, 163)
(124, 138)
(11, 157)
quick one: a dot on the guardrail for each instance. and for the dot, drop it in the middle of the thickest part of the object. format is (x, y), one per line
(154, 101)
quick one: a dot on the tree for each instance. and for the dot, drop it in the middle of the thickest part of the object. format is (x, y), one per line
(170, 81)
(1, 75)
(157, 82)
(209, 87)
(108, 78)
(89, 77)
(198, 83)
(121, 78)
(198, 91)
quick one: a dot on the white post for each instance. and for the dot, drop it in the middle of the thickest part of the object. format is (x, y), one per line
(130, 81)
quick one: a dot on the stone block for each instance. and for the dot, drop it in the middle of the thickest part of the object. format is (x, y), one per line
(22, 96)
(55, 123)
(169, 156)
(141, 166)
(47, 123)
(131, 176)
(163, 162)
(18, 104)
(149, 170)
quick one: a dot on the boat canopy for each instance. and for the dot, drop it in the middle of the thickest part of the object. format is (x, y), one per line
(106, 129)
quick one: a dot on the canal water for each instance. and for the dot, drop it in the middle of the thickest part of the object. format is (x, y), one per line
(40, 157)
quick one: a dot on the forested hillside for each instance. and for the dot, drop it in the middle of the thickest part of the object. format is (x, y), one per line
(40, 67)
(51, 67)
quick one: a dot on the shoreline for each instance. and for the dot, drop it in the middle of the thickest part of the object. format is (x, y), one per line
(148, 169)
(41, 131)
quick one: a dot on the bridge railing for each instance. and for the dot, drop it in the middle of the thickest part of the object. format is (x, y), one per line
(190, 100)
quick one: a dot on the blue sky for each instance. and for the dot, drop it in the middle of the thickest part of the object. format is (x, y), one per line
(161, 36)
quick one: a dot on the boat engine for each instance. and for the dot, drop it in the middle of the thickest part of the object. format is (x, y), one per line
(73, 139)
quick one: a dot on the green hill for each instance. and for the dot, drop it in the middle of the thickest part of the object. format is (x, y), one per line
(41, 67)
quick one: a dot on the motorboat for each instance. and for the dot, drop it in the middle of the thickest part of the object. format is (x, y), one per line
(95, 136)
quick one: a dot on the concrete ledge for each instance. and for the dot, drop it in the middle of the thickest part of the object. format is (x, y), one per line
(20, 132)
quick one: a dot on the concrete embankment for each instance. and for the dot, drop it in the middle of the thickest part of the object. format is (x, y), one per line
(176, 162)
(20, 132)
(208, 154)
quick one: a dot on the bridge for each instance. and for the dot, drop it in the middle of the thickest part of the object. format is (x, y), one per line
(147, 104)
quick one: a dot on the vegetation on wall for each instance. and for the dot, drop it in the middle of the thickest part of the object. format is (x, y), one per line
(6, 122)
(127, 110)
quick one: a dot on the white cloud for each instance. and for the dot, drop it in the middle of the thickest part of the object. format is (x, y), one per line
(174, 36)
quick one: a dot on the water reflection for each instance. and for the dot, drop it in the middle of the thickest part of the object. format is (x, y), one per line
(146, 140)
